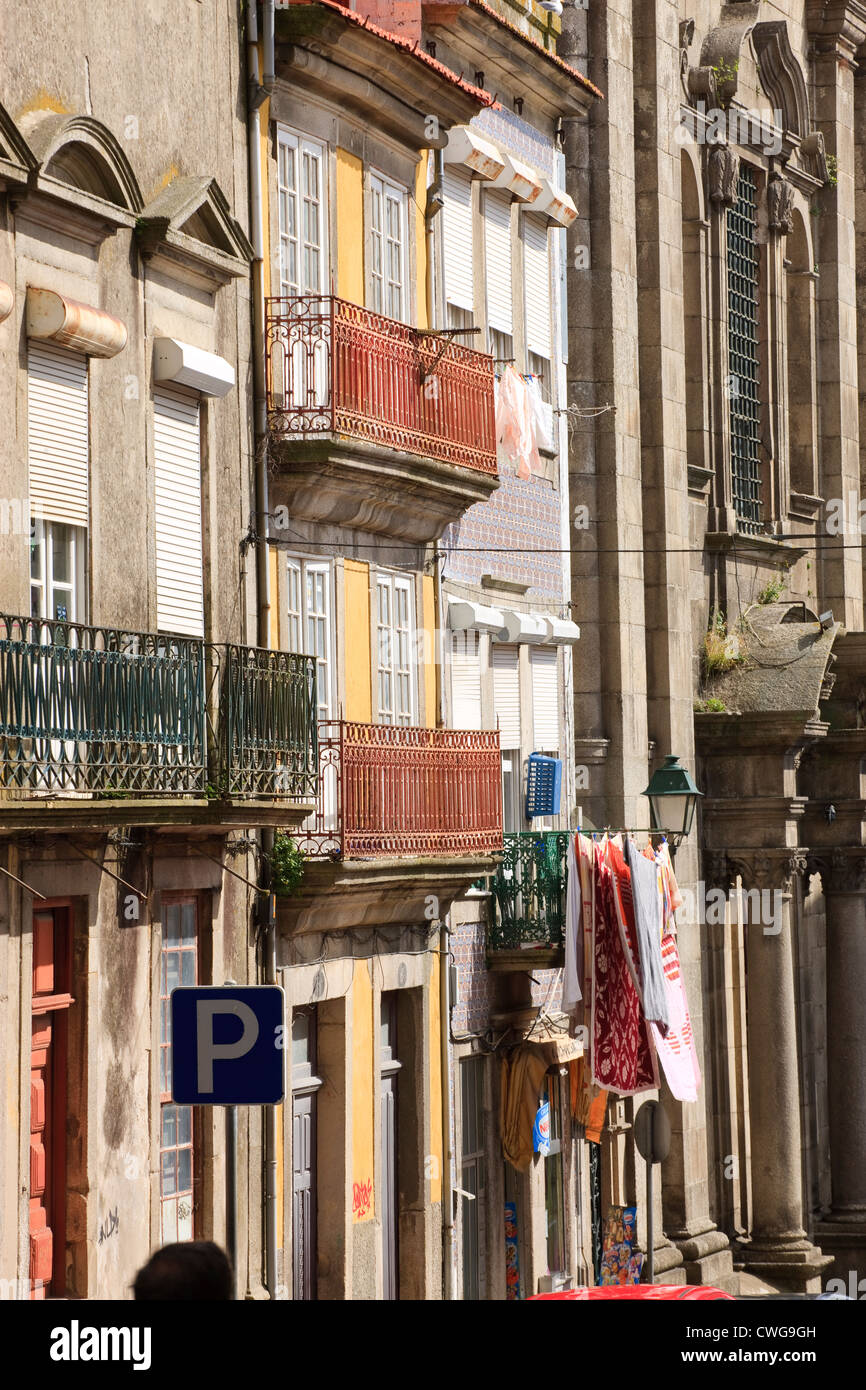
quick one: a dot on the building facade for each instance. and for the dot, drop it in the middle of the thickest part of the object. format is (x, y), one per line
(718, 315)
(380, 435)
(137, 765)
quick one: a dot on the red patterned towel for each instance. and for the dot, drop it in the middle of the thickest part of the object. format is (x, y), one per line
(623, 1059)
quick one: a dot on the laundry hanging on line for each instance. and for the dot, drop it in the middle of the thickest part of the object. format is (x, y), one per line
(622, 966)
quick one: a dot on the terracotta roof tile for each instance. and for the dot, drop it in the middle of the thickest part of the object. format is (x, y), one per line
(413, 49)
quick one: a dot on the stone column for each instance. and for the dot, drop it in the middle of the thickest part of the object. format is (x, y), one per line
(837, 30)
(605, 458)
(779, 1250)
(843, 1234)
(667, 537)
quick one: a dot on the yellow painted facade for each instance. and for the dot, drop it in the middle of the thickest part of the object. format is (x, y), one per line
(357, 648)
(363, 1093)
(356, 665)
(350, 227)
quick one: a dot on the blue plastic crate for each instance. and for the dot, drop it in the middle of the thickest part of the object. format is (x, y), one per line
(543, 786)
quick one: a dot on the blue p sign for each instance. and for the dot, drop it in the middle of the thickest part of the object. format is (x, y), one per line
(227, 1045)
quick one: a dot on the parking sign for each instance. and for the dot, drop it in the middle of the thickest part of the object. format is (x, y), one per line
(227, 1045)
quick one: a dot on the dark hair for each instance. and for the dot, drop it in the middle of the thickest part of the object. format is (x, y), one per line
(195, 1269)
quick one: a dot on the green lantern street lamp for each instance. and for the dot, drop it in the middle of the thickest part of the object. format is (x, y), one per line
(673, 798)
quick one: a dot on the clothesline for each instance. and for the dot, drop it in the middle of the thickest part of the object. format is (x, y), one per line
(622, 969)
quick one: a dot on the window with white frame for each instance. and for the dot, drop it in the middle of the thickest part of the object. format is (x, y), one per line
(302, 181)
(458, 246)
(500, 298)
(58, 586)
(59, 465)
(389, 247)
(537, 300)
(395, 642)
(310, 623)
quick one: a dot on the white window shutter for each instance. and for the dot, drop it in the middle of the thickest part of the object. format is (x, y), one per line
(545, 701)
(536, 271)
(458, 240)
(57, 433)
(465, 680)
(506, 694)
(177, 470)
(497, 243)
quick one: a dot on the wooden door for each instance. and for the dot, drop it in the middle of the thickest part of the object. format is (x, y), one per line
(51, 1000)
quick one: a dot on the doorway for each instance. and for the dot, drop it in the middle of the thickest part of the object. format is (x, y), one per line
(48, 1101)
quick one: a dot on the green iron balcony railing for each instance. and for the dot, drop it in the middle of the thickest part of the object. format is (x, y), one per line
(268, 724)
(104, 712)
(529, 889)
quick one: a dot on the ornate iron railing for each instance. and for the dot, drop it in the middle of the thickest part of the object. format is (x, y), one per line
(529, 889)
(333, 366)
(104, 712)
(268, 724)
(392, 792)
(89, 709)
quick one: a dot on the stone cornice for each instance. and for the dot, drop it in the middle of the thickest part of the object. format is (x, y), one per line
(836, 26)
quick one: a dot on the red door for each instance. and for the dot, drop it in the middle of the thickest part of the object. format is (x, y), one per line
(51, 999)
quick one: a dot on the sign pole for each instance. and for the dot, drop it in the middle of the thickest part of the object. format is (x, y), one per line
(232, 1191)
(650, 1231)
(652, 1136)
(232, 1186)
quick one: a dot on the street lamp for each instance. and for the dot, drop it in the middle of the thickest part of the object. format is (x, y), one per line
(673, 797)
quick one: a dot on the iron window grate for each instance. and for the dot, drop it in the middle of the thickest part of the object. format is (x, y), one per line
(743, 354)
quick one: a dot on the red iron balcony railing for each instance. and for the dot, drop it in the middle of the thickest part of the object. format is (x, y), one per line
(333, 367)
(388, 792)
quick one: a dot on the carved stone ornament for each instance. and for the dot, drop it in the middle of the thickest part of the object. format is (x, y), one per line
(842, 871)
(723, 169)
(718, 873)
(780, 205)
(764, 869)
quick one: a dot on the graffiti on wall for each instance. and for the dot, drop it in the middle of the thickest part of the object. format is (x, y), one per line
(362, 1200)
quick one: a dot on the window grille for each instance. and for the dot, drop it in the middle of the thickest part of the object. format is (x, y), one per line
(743, 359)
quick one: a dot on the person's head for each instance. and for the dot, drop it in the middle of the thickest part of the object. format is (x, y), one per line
(195, 1269)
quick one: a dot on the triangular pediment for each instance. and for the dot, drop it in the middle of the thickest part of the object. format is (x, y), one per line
(193, 212)
(17, 161)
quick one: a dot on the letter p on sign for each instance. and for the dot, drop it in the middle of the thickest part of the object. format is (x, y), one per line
(224, 1048)
(207, 1050)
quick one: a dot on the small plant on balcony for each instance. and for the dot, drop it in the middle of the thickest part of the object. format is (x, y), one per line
(287, 866)
(711, 706)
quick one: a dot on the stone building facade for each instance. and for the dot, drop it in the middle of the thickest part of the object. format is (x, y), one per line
(717, 596)
(129, 815)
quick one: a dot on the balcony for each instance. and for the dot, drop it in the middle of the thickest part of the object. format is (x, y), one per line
(104, 726)
(529, 892)
(407, 819)
(375, 424)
